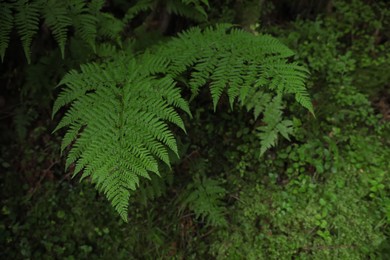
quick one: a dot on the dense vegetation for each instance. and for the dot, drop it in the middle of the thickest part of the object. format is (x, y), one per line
(216, 129)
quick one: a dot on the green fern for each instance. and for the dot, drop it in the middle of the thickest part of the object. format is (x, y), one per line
(119, 110)
(229, 58)
(118, 124)
(192, 9)
(59, 16)
(56, 18)
(155, 187)
(27, 21)
(248, 68)
(140, 6)
(204, 198)
(85, 20)
(274, 125)
(6, 24)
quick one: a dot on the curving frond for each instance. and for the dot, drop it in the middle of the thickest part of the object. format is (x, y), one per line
(248, 68)
(27, 22)
(6, 24)
(56, 17)
(191, 9)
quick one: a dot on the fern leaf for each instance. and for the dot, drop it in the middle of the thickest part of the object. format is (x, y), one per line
(6, 24)
(272, 117)
(140, 6)
(219, 79)
(285, 128)
(27, 22)
(290, 78)
(118, 127)
(190, 9)
(95, 6)
(56, 17)
(110, 27)
(120, 110)
(85, 20)
(86, 28)
(204, 198)
(203, 69)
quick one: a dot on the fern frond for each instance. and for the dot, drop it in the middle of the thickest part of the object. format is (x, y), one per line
(110, 27)
(255, 100)
(120, 110)
(140, 6)
(290, 78)
(27, 23)
(190, 9)
(155, 187)
(86, 28)
(6, 24)
(59, 16)
(85, 20)
(274, 124)
(56, 17)
(204, 199)
(95, 6)
(249, 68)
(78, 84)
(117, 122)
(230, 60)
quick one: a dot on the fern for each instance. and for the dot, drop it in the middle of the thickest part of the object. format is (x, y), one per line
(231, 60)
(268, 134)
(6, 24)
(56, 18)
(204, 199)
(155, 187)
(85, 20)
(118, 125)
(188, 8)
(192, 9)
(248, 68)
(140, 6)
(120, 109)
(59, 17)
(27, 21)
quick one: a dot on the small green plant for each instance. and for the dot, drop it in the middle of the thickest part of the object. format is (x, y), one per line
(204, 197)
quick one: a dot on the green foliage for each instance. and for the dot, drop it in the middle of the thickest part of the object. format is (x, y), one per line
(326, 222)
(26, 22)
(6, 24)
(58, 21)
(192, 9)
(123, 117)
(274, 125)
(119, 119)
(229, 62)
(236, 62)
(204, 197)
(88, 228)
(59, 16)
(215, 190)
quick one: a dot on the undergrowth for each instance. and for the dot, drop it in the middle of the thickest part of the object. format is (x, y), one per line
(190, 119)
